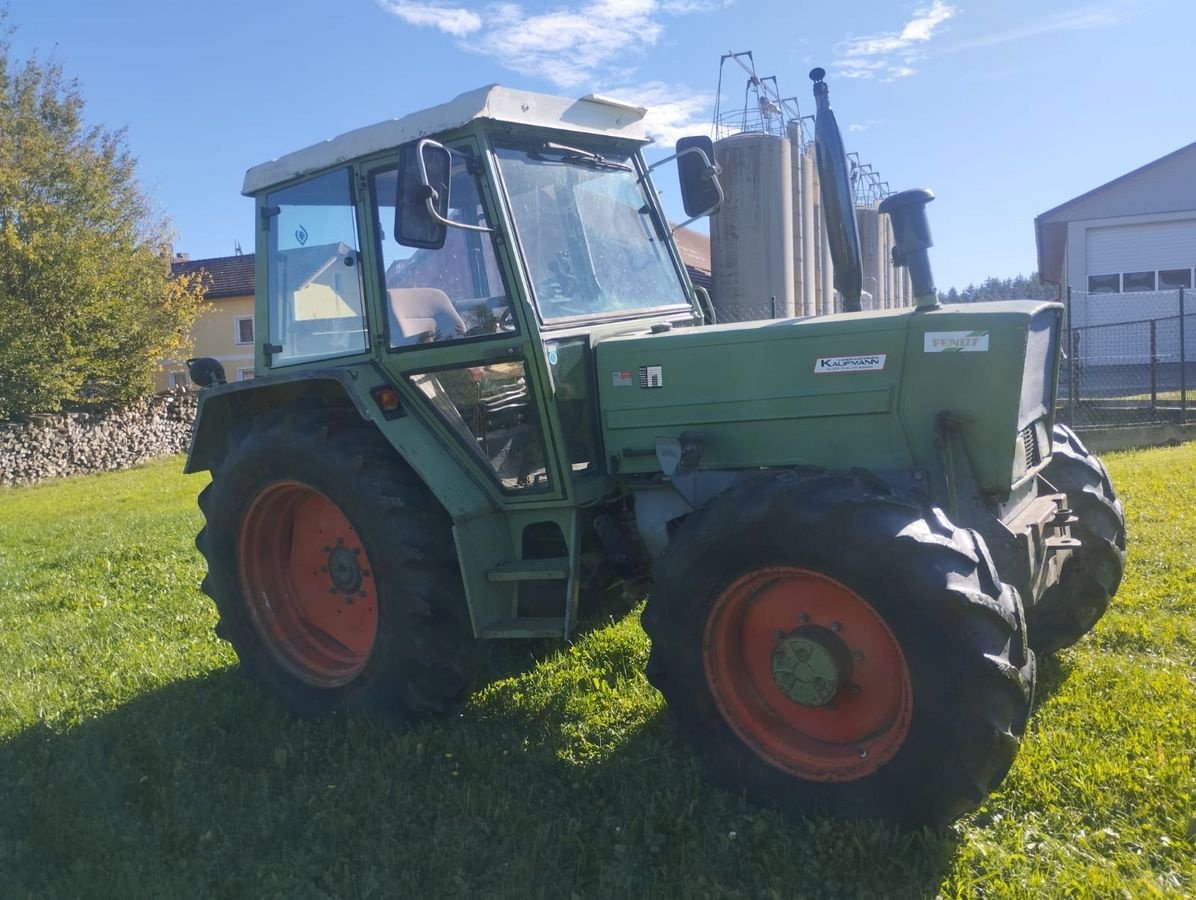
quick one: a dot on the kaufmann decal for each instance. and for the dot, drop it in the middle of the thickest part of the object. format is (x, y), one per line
(956, 342)
(871, 362)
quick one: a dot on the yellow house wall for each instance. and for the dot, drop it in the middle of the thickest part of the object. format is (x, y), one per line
(214, 334)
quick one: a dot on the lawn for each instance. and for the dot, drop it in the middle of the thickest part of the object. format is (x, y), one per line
(135, 762)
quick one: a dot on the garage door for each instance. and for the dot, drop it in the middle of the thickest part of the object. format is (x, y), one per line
(1142, 248)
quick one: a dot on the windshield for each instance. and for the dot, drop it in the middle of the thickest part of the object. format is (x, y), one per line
(592, 242)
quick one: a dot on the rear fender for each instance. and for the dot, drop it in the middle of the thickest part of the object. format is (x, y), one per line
(223, 406)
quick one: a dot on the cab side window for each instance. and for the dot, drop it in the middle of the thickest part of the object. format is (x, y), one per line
(314, 280)
(447, 294)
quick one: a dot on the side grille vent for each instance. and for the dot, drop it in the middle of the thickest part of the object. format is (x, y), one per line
(1030, 442)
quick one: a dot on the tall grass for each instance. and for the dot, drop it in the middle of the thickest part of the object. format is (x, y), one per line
(135, 762)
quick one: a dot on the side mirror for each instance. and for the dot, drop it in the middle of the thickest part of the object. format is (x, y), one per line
(701, 193)
(422, 204)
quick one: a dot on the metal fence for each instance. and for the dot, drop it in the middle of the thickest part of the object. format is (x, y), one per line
(1130, 358)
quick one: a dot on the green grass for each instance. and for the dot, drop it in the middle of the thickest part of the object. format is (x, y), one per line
(134, 761)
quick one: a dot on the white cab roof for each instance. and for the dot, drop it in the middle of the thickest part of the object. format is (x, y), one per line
(590, 115)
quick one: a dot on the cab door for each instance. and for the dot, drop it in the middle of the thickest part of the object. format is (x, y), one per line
(459, 338)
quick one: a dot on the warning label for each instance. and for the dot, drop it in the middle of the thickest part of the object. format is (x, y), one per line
(651, 376)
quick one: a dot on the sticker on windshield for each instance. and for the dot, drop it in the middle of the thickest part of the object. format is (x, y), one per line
(870, 362)
(622, 378)
(651, 376)
(956, 342)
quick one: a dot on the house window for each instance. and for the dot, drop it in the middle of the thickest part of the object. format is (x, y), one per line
(244, 329)
(1104, 284)
(245, 374)
(1137, 281)
(1171, 279)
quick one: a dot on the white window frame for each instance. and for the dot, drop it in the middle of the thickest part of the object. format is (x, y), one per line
(1170, 287)
(237, 331)
(245, 373)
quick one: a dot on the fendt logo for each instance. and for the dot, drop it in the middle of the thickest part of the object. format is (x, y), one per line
(956, 342)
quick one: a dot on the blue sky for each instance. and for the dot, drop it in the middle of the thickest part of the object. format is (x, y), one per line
(1005, 108)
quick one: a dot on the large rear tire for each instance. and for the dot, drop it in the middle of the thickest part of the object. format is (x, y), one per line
(333, 570)
(830, 649)
(1070, 608)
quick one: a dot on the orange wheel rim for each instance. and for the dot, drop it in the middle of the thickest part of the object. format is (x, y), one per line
(308, 583)
(807, 674)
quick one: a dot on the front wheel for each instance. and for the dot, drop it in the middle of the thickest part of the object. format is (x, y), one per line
(333, 570)
(1070, 608)
(830, 649)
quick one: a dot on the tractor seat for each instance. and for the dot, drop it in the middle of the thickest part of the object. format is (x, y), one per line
(422, 315)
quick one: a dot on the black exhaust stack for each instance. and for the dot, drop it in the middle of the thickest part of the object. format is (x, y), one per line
(911, 240)
(838, 205)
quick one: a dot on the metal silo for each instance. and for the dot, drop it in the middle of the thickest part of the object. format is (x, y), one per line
(751, 236)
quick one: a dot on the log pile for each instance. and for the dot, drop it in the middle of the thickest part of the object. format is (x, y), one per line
(44, 447)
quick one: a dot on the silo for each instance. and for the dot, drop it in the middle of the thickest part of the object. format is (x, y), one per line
(796, 157)
(751, 236)
(867, 223)
(809, 233)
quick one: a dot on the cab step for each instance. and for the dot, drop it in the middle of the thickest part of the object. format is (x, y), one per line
(527, 627)
(554, 569)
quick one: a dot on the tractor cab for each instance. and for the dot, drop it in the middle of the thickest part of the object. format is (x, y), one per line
(470, 252)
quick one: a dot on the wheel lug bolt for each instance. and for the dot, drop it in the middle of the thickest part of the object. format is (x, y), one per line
(853, 689)
(858, 655)
(836, 626)
(863, 753)
(778, 634)
(804, 617)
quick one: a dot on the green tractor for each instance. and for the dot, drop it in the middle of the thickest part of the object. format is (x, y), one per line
(486, 386)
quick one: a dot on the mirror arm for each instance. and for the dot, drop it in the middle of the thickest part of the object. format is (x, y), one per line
(430, 192)
(486, 229)
(713, 170)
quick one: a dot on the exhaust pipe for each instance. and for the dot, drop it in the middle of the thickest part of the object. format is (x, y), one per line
(838, 205)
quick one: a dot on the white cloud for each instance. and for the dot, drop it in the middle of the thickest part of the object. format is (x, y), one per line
(567, 45)
(453, 20)
(673, 110)
(684, 7)
(893, 54)
(596, 41)
(1101, 15)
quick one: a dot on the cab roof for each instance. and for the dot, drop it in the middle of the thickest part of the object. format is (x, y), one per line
(591, 114)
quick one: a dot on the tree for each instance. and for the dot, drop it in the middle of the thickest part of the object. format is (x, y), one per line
(87, 304)
(1017, 288)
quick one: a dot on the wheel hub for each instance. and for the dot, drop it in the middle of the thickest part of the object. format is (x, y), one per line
(344, 569)
(810, 665)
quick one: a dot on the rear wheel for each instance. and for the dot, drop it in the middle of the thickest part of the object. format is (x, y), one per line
(334, 571)
(831, 649)
(1090, 577)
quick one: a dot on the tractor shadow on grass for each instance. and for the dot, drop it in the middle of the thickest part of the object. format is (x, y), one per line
(540, 787)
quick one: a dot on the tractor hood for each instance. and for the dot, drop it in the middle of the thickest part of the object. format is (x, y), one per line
(833, 391)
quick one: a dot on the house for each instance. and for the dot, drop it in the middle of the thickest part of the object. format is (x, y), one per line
(225, 328)
(1125, 249)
